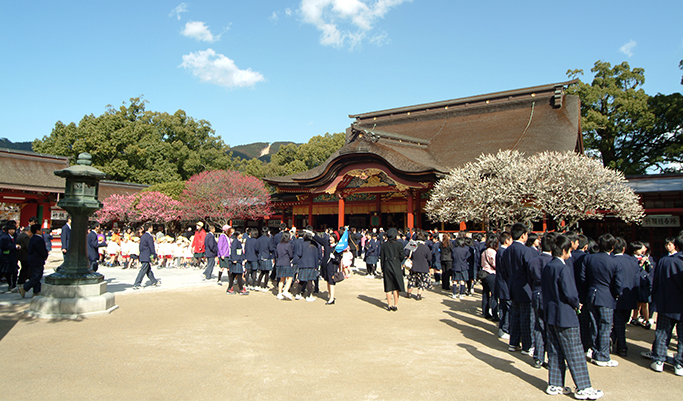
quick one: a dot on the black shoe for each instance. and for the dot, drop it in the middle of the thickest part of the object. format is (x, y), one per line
(394, 308)
(330, 302)
(390, 308)
(418, 297)
(537, 364)
(623, 352)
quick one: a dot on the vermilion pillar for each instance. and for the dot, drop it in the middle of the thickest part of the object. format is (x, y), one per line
(341, 211)
(411, 209)
(310, 210)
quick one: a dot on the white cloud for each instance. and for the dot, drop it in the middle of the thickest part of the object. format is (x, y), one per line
(217, 69)
(274, 17)
(346, 22)
(288, 12)
(627, 49)
(181, 8)
(199, 31)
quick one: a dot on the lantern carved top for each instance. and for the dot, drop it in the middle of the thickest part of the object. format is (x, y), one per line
(82, 169)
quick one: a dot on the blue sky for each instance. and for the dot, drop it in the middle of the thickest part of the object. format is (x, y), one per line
(267, 71)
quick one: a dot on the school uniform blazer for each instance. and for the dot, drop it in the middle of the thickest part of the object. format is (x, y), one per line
(473, 261)
(147, 248)
(297, 245)
(277, 238)
(422, 259)
(284, 254)
(372, 248)
(250, 249)
(602, 277)
(560, 297)
(37, 252)
(235, 244)
(8, 246)
(210, 245)
(436, 253)
(667, 286)
(461, 256)
(535, 277)
(630, 279)
(264, 247)
(502, 287)
(93, 244)
(65, 238)
(576, 262)
(516, 261)
(310, 255)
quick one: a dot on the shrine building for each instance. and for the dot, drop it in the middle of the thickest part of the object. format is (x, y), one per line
(383, 175)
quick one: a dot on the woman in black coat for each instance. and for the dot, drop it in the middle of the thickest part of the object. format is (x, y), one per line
(461, 255)
(329, 264)
(309, 259)
(419, 276)
(391, 258)
(8, 255)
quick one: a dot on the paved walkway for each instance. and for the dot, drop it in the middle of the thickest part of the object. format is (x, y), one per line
(189, 340)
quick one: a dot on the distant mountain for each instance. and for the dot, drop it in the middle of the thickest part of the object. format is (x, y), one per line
(257, 150)
(6, 143)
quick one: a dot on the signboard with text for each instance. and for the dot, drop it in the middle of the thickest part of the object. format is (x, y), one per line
(662, 221)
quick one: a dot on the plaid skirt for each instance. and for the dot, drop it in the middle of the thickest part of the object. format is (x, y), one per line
(306, 274)
(6, 267)
(224, 263)
(285, 271)
(236, 268)
(265, 265)
(461, 276)
(371, 260)
(252, 265)
(419, 280)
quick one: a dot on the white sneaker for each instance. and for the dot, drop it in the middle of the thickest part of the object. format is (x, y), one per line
(606, 364)
(657, 366)
(454, 296)
(280, 297)
(460, 296)
(678, 370)
(310, 299)
(588, 394)
(530, 352)
(513, 348)
(589, 353)
(298, 297)
(557, 390)
(370, 276)
(287, 295)
(503, 335)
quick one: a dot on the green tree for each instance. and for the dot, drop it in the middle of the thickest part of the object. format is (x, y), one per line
(173, 189)
(667, 131)
(136, 145)
(616, 119)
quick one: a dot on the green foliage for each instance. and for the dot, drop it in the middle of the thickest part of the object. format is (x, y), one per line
(622, 125)
(136, 145)
(173, 189)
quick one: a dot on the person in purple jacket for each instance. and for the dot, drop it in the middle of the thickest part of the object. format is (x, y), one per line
(223, 251)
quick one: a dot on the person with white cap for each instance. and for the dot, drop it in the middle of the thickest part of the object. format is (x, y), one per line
(198, 245)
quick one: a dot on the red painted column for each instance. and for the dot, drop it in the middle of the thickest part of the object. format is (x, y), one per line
(463, 226)
(310, 210)
(411, 210)
(341, 211)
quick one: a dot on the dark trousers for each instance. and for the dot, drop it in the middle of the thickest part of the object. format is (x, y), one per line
(663, 334)
(585, 326)
(540, 337)
(307, 286)
(621, 317)
(504, 306)
(145, 270)
(564, 350)
(210, 264)
(24, 273)
(240, 284)
(446, 274)
(521, 324)
(11, 276)
(488, 300)
(601, 329)
(263, 275)
(94, 265)
(34, 281)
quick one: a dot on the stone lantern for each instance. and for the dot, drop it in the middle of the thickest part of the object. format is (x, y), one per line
(74, 290)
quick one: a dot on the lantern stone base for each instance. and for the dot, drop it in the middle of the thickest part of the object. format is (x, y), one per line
(72, 301)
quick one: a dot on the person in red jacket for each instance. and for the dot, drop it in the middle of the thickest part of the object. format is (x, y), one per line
(198, 247)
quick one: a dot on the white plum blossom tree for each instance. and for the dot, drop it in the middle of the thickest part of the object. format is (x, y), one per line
(507, 187)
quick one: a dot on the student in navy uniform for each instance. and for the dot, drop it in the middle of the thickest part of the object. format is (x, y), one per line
(561, 303)
(309, 260)
(436, 258)
(210, 251)
(667, 292)
(37, 255)
(264, 250)
(536, 274)
(93, 246)
(236, 265)
(419, 274)
(283, 266)
(251, 257)
(489, 304)
(516, 267)
(372, 255)
(576, 263)
(297, 244)
(628, 266)
(146, 252)
(502, 291)
(603, 279)
(461, 256)
(474, 262)
(446, 250)
(329, 264)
